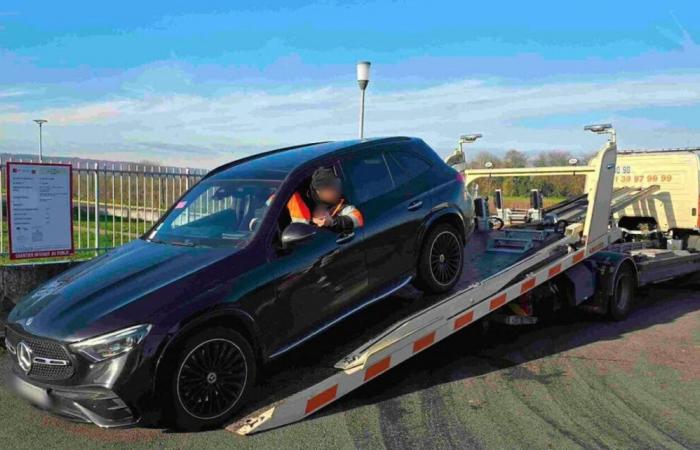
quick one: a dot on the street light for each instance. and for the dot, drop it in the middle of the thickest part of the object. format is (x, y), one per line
(603, 128)
(41, 122)
(457, 159)
(363, 81)
(468, 139)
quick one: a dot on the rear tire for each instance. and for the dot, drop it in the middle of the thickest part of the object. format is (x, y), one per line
(210, 375)
(441, 259)
(624, 287)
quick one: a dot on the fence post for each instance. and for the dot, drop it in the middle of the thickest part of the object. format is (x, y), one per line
(2, 242)
(97, 208)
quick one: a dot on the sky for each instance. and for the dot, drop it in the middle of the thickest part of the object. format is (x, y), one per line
(201, 83)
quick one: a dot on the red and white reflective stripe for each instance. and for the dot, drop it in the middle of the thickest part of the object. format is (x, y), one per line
(322, 399)
(316, 397)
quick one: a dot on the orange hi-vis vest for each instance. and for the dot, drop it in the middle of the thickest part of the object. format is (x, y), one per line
(298, 210)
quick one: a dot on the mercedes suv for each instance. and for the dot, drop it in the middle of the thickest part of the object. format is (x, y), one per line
(180, 320)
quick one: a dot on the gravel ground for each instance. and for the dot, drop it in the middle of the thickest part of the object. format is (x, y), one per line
(580, 382)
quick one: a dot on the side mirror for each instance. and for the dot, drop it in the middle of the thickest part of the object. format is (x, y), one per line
(296, 232)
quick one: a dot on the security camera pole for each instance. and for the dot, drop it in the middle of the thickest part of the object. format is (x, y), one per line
(363, 81)
(41, 122)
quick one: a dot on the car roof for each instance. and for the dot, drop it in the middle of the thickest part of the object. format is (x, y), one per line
(277, 164)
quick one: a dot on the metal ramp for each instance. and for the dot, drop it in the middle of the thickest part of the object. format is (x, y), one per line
(574, 210)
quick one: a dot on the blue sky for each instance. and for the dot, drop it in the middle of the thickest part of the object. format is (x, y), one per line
(199, 83)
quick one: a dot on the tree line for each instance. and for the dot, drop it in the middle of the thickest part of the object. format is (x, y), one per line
(552, 186)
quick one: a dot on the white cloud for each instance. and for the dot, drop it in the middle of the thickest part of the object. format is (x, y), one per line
(205, 130)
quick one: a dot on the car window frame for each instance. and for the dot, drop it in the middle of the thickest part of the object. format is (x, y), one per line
(349, 158)
(410, 177)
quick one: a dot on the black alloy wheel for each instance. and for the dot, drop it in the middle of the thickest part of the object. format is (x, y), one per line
(441, 260)
(445, 257)
(211, 378)
(211, 374)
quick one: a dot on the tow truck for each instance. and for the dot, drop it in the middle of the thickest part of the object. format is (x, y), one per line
(574, 255)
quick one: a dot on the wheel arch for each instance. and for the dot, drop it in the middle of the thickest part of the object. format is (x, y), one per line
(448, 214)
(612, 263)
(232, 318)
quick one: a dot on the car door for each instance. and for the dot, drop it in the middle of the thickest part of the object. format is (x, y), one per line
(318, 281)
(411, 175)
(392, 211)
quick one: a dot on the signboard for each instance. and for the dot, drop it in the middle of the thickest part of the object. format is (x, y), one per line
(39, 210)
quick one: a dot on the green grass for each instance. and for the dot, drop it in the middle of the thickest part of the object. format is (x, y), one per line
(110, 234)
(524, 202)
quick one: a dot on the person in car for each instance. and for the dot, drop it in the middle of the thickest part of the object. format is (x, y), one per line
(331, 209)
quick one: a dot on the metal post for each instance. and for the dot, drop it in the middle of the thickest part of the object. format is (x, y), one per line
(41, 122)
(97, 208)
(121, 204)
(114, 210)
(136, 172)
(2, 242)
(362, 81)
(362, 113)
(129, 200)
(153, 174)
(160, 190)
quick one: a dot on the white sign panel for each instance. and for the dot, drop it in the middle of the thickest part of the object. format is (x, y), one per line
(40, 210)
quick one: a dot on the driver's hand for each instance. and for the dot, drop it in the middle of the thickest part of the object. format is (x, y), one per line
(323, 221)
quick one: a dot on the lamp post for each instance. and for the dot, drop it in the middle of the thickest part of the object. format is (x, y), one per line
(603, 128)
(468, 139)
(363, 81)
(41, 122)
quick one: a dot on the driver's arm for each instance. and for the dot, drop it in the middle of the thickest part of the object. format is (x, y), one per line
(347, 220)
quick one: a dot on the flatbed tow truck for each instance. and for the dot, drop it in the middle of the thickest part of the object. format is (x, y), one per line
(591, 264)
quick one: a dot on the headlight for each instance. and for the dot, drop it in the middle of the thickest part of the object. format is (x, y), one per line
(112, 344)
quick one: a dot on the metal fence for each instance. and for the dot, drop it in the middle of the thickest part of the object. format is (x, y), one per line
(112, 203)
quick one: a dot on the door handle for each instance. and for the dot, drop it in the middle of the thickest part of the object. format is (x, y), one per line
(415, 205)
(345, 238)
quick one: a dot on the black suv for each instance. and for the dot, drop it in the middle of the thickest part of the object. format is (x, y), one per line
(183, 317)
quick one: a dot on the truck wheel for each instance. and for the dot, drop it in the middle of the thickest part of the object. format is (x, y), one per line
(440, 261)
(211, 375)
(623, 293)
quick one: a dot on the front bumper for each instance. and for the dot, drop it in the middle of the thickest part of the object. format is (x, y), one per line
(104, 393)
(84, 404)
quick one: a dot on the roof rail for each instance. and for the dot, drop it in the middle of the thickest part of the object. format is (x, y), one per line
(256, 156)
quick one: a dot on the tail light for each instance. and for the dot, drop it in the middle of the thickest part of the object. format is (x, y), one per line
(460, 177)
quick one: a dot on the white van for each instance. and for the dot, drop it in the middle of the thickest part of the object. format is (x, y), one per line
(676, 172)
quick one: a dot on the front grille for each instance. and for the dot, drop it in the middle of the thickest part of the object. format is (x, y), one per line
(43, 348)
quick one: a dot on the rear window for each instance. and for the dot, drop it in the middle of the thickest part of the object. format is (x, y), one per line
(405, 166)
(370, 176)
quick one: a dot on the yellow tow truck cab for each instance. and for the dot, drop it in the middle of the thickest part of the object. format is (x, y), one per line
(677, 173)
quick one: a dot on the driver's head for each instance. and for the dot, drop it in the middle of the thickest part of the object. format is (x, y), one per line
(326, 185)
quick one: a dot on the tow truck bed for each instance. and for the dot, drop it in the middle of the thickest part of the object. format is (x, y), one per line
(499, 267)
(318, 359)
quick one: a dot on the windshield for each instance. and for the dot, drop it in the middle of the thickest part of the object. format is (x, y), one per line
(217, 213)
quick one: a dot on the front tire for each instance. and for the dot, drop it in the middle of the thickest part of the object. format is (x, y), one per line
(211, 375)
(441, 260)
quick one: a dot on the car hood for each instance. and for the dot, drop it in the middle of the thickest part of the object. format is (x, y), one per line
(112, 290)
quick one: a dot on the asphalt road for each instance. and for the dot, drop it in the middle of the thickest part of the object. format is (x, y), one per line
(578, 382)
